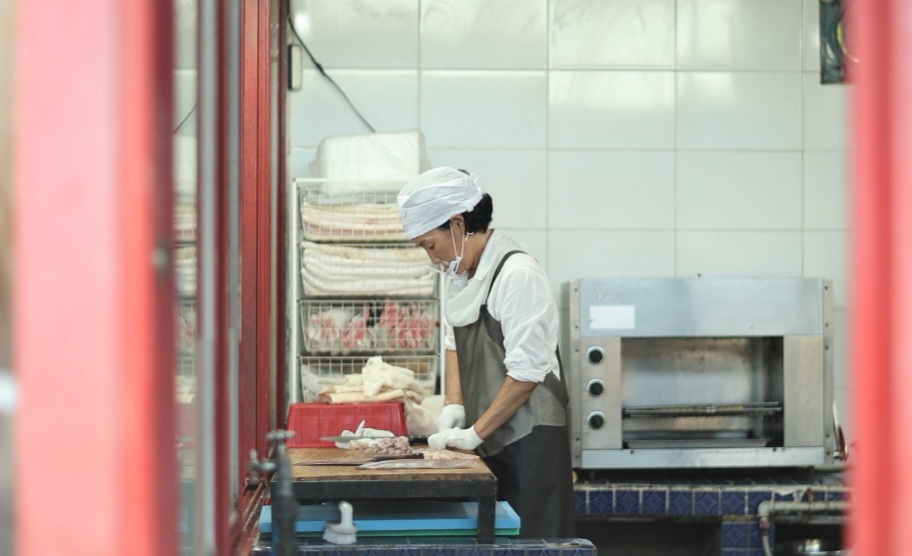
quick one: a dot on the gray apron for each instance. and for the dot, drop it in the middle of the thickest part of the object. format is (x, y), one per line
(530, 453)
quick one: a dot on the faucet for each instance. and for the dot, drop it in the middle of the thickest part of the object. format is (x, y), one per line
(284, 504)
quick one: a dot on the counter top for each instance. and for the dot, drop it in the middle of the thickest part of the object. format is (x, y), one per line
(314, 484)
(477, 471)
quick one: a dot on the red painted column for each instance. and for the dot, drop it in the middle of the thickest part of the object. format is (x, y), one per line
(93, 346)
(881, 328)
(281, 225)
(256, 222)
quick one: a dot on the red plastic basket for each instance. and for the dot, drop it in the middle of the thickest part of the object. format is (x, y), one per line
(310, 421)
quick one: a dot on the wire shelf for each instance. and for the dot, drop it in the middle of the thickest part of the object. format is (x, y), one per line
(350, 210)
(318, 372)
(185, 222)
(389, 326)
(186, 328)
(185, 269)
(363, 288)
(186, 364)
(352, 270)
(184, 388)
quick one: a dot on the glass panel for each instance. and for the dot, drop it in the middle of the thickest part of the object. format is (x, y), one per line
(186, 262)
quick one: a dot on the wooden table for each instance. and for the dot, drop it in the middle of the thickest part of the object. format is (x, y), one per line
(321, 483)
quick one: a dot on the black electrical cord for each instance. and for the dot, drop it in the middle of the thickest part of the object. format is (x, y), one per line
(187, 117)
(323, 72)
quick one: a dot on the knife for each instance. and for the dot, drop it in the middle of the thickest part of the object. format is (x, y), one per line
(412, 438)
(362, 461)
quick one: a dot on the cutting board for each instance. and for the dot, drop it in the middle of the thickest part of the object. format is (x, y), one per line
(415, 518)
(322, 472)
(333, 483)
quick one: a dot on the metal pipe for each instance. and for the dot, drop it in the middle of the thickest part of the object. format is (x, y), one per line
(284, 504)
(769, 507)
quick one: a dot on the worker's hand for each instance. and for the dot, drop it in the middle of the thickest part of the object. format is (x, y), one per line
(461, 439)
(451, 416)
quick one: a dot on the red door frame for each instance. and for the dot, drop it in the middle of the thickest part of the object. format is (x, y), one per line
(882, 276)
(93, 302)
(93, 307)
(234, 532)
(281, 219)
(255, 390)
(255, 225)
(222, 314)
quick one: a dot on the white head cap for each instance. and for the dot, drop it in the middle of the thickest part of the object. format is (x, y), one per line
(430, 199)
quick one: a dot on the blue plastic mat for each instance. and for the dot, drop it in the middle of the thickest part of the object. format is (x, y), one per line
(420, 518)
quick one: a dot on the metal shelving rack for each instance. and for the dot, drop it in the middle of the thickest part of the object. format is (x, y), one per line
(184, 252)
(356, 287)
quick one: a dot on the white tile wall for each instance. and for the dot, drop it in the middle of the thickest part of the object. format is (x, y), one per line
(810, 33)
(611, 189)
(516, 180)
(751, 190)
(388, 100)
(484, 109)
(612, 33)
(825, 117)
(594, 253)
(618, 137)
(611, 109)
(739, 110)
(826, 197)
(185, 167)
(484, 34)
(185, 34)
(535, 242)
(826, 256)
(739, 35)
(358, 34)
(298, 162)
(738, 253)
(185, 102)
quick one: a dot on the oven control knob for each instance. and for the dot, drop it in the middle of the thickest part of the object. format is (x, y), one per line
(595, 354)
(596, 420)
(595, 387)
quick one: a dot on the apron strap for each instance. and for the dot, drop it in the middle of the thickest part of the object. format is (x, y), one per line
(560, 391)
(497, 271)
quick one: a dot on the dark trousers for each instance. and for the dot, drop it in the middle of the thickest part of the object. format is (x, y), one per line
(534, 475)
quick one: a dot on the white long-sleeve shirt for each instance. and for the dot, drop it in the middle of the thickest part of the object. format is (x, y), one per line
(521, 300)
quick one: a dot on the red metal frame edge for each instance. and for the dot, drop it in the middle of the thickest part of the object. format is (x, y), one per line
(256, 276)
(281, 221)
(93, 349)
(881, 272)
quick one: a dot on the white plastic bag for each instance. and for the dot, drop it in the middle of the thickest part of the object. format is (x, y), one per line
(387, 159)
(421, 418)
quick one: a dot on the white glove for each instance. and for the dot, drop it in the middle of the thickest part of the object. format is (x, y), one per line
(461, 439)
(451, 416)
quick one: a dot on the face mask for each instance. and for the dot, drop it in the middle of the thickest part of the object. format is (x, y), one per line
(452, 269)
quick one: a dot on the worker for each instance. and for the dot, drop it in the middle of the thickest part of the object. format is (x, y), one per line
(503, 373)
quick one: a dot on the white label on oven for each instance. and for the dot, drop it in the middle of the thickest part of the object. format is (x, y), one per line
(603, 317)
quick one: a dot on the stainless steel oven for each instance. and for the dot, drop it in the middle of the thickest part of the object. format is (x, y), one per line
(700, 372)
